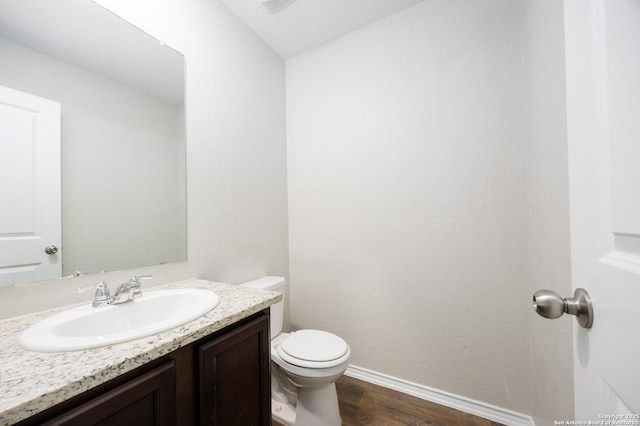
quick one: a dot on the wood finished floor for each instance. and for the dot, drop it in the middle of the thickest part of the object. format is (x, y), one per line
(365, 404)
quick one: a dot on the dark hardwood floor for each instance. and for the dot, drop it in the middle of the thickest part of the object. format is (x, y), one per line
(365, 404)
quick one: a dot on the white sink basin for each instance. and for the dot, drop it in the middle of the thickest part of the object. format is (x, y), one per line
(88, 327)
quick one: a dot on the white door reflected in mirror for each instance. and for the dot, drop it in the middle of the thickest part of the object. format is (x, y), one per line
(30, 217)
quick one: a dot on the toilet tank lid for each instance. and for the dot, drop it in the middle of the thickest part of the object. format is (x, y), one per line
(265, 283)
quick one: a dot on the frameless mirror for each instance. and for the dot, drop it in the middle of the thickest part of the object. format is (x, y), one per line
(122, 130)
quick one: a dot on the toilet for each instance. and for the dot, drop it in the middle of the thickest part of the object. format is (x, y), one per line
(305, 365)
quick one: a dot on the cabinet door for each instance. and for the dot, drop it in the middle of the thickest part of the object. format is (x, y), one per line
(146, 400)
(235, 387)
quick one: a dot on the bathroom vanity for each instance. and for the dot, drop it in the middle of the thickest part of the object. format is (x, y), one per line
(211, 371)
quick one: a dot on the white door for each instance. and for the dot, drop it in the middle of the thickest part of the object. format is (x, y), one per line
(603, 121)
(30, 210)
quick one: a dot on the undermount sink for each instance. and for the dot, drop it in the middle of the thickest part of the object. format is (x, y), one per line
(88, 327)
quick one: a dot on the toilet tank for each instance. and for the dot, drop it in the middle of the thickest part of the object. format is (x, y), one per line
(277, 310)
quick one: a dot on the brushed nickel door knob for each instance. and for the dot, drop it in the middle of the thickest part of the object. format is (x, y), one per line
(549, 304)
(51, 249)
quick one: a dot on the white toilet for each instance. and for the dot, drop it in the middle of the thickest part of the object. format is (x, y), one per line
(305, 365)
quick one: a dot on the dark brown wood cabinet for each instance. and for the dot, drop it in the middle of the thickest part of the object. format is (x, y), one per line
(233, 386)
(222, 379)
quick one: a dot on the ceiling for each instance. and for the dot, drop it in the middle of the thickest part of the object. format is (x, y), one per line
(53, 27)
(307, 24)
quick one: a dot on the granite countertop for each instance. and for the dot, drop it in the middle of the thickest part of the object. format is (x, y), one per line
(31, 382)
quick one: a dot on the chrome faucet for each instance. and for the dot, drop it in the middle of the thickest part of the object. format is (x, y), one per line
(129, 290)
(124, 293)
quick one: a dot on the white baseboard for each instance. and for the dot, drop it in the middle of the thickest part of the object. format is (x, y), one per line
(477, 408)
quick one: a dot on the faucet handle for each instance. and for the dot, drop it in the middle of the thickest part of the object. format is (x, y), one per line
(100, 287)
(134, 283)
(102, 296)
(135, 280)
(142, 277)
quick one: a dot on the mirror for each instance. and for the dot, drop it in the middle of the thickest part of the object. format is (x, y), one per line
(122, 129)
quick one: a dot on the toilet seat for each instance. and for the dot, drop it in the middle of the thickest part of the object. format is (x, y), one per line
(314, 349)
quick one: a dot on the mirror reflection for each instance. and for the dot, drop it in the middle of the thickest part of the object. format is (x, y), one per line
(122, 136)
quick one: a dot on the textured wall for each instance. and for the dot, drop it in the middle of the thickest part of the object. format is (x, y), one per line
(408, 232)
(547, 208)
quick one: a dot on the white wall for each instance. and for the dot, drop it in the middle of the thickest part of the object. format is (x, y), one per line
(122, 151)
(406, 156)
(547, 208)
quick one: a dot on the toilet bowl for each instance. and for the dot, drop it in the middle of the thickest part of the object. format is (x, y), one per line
(305, 365)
